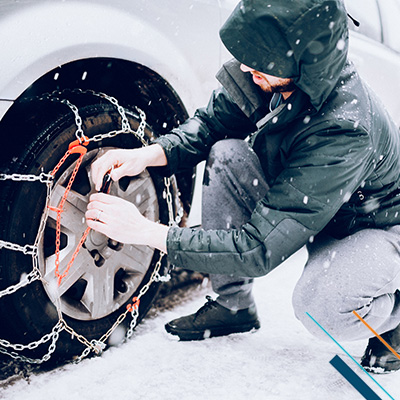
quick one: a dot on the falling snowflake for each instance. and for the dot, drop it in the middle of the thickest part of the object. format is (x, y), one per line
(340, 45)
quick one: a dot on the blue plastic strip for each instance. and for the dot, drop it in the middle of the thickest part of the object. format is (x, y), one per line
(360, 366)
(354, 379)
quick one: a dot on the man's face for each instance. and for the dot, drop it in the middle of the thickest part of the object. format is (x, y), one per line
(269, 83)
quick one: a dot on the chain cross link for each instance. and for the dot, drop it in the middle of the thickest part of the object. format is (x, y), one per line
(27, 249)
(43, 178)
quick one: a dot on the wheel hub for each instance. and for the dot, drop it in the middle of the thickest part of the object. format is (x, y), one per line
(105, 273)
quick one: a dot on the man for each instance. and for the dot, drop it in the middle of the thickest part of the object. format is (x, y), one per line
(299, 151)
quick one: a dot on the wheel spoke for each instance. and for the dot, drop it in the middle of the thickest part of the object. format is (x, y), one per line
(73, 216)
(82, 264)
(135, 186)
(98, 298)
(136, 259)
(66, 253)
(147, 207)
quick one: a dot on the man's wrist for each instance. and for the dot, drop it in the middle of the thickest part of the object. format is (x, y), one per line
(156, 155)
(156, 236)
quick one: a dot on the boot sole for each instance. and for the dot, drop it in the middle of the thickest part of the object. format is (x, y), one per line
(212, 332)
(386, 369)
(384, 363)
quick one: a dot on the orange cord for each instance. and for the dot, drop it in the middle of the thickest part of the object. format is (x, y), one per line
(75, 147)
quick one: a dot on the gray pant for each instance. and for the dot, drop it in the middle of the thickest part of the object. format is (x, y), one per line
(360, 272)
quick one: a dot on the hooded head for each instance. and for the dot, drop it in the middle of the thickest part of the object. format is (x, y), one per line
(306, 40)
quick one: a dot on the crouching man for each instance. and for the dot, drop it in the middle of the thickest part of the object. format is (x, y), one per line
(299, 152)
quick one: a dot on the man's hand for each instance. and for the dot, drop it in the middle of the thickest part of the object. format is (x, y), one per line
(126, 163)
(120, 220)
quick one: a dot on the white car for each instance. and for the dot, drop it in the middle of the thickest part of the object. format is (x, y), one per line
(102, 74)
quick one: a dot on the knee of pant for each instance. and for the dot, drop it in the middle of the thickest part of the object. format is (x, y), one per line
(231, 161)
(227, 152)
(318, 312)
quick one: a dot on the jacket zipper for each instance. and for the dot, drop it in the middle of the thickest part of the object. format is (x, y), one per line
(263, 121)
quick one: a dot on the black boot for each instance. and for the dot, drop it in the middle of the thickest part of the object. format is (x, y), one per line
(378, 358)
(211, 320)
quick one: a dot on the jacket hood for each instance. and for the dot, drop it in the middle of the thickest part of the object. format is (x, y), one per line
(306, 40)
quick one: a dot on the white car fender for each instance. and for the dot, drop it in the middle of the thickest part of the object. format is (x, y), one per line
(43, 36)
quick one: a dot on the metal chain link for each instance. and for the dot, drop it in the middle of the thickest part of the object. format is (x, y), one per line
(43, 178)
(54, 335)
(97, 346)
(27, 249)
(78, 120)
(168, 198)
(34, 275)
(134, 312)
(125, 125)
(53, 96)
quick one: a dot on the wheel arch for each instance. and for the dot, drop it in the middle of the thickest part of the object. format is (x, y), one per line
(132, 84)
(41, 36)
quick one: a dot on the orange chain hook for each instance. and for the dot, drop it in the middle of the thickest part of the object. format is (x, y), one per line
(134, 305)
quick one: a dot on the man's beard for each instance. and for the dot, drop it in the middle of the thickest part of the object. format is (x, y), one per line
(274, 86)
(283, 87)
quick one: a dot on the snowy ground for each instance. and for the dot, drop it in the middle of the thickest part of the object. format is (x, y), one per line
(280, 361)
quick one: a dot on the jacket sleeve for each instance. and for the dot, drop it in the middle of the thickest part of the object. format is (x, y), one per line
(191, 142)
(319, 177)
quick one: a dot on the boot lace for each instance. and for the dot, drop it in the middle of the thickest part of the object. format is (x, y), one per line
(211, 303)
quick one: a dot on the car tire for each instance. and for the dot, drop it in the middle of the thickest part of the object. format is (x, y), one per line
(31, 312)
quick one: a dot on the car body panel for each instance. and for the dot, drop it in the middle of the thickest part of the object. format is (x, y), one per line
(377, 61)
(41, 35)
(176, 38)
(369, 61)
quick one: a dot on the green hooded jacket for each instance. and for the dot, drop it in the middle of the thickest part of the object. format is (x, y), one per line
(330, 152)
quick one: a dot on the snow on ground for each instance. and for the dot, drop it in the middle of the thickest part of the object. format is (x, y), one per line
(280, 361)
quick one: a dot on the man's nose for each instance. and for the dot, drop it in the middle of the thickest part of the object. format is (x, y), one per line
(245, 68)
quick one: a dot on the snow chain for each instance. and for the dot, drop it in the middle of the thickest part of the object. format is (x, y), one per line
(95, 346)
